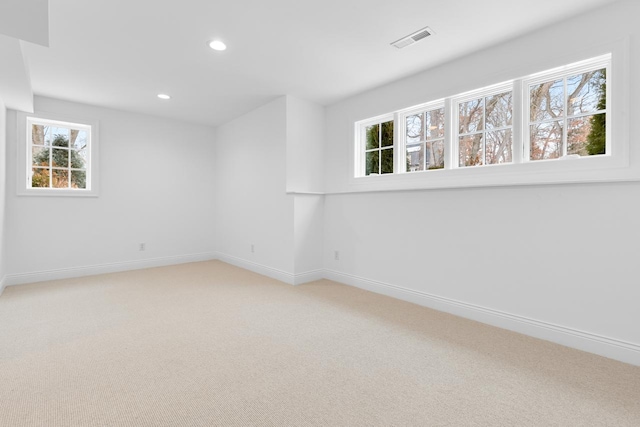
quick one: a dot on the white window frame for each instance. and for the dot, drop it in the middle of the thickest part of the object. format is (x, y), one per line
(619, 164)
(24, 152)
(361, 147)
(563, 73)
(401, 125)
(483, 93)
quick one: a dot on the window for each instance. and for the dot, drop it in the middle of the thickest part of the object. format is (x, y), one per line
(562, 113)
(377, 140)
(58, 156)
(424, 139)
(485, 129)
(568, 113)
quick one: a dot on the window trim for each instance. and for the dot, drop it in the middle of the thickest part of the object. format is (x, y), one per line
(622, 166)
(24, 144)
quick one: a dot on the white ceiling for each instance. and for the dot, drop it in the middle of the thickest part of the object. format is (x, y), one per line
(121, 53)
(25, 20)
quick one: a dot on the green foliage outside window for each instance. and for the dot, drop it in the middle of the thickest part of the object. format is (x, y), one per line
(597, 138)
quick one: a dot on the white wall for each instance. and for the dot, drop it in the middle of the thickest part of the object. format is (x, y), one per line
(252, 205)
(305, 146)
(3, 193)
(554, 261)
(156, 186)
(15, 84)
(268, 161)
(15, 92)
(308, 236)
(305, 176)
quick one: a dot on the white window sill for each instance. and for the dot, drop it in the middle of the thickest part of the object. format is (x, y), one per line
(53, 192)
(572, 170)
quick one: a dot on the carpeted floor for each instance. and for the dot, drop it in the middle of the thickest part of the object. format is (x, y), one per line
(210, 344)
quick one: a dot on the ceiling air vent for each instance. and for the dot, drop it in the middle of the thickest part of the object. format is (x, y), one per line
(412, 38)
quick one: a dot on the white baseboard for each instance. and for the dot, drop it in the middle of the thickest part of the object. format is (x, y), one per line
(309, 276)
(608, 347)
(90, 270)
(604, 346)
(274, 273)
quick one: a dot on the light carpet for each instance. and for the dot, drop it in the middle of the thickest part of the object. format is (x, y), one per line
(208, 344)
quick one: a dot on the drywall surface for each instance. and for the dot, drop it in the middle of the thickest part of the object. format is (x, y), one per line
(156, 186)
(561, 254)
(309, 227)
(3, 191)
(558, 255)
(305, 176)
(15, 84)
(305, 146)
(254, 213)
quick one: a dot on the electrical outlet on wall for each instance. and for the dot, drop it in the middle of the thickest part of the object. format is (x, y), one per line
(253, 248)
(336, 255)
(143, 246)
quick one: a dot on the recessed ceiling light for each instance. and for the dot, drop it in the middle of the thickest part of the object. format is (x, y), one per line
(163, 96)
(217, 45)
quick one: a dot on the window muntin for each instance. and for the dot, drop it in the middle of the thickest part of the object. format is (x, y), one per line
(568, 115)
(379, 147)
(485, 134)
(424, 139)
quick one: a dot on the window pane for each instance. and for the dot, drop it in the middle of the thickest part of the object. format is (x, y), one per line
(82, 154)
(499, 110)
(78, 139)
(37, 134)
(546, 100)
(470, 150)
(386, 160)
(471, 115)
(597, 137)
(415, 158)
(435, 124)
(60, 178)
(60, 137)
(387, 134)
(59, 157)
(77, 159)
(373, 165)
(78, 179)
(39, 178)
(373, 137)
(587, 92)
(498, 147)
(48, 137)
(415, 129)
(546, 140)
(435, 154)
(586, 135)
(40, 156)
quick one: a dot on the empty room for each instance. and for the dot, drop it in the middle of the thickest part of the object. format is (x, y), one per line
(297, 213)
